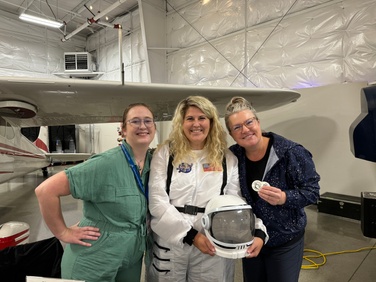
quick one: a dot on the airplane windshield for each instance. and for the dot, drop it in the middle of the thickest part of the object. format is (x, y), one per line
(6, 130)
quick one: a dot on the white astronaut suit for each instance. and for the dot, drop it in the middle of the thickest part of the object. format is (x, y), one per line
(194, 182)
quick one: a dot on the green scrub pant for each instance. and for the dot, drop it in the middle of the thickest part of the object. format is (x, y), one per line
(115, 257)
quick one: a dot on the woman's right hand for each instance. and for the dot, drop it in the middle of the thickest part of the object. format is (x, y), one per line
(202, 243)
(75, 234)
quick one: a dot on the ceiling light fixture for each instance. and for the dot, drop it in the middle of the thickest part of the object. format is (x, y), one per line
(41, 21)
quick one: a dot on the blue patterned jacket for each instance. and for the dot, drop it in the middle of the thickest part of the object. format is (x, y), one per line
(290, 167)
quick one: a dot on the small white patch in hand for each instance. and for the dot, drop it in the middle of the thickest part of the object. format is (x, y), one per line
(257, 184)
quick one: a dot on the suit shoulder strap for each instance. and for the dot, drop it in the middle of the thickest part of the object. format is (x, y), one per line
(169, 173)
(224, 174)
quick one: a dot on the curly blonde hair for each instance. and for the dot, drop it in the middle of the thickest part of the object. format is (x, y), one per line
(216, 140)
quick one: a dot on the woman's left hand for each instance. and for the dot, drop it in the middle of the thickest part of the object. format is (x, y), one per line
(254, 249)
(272, 195)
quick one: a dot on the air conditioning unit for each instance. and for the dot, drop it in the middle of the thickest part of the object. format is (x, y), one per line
(78, 62)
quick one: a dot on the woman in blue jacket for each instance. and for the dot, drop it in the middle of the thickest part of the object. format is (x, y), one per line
(289, 182)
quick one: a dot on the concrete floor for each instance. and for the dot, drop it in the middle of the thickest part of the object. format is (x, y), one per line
(325, 233)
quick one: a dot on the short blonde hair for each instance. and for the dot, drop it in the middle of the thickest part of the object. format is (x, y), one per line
(237, 104)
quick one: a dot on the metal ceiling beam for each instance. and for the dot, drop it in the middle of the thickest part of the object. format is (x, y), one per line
(94, 19)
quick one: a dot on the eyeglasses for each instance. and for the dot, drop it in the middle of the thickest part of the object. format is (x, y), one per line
(136, 122)
(249, 123)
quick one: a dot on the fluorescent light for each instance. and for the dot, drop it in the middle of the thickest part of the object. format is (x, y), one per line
(38, 20)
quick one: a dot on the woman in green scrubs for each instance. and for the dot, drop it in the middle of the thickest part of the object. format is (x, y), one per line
(109, 241)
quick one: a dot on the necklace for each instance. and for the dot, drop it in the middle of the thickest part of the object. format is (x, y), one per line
(139, 165)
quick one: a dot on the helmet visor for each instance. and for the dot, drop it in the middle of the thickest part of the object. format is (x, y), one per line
(233, 226)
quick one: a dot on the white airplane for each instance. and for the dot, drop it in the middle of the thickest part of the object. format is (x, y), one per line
(30, 102)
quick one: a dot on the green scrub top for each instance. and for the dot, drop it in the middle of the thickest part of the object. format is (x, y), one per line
(109, 190)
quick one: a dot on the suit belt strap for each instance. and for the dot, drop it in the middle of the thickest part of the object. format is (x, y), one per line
(190, 209)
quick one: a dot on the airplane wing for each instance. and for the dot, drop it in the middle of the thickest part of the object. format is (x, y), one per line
(35, 102)
(68, 157)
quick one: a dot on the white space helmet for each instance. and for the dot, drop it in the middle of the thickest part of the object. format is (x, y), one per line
(229, 224)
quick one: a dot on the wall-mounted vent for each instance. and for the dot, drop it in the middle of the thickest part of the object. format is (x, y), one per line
(78, 61)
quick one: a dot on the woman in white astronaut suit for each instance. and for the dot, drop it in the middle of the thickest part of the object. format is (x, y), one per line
(197, 142)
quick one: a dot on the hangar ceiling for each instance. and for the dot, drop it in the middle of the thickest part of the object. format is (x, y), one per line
(73, 13)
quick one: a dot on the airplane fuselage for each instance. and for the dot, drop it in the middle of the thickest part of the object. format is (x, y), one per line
(18, 156)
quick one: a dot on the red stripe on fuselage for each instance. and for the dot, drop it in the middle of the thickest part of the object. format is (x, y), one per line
(13, 151)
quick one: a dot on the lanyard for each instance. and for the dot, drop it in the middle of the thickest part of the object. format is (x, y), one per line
(135, 172)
